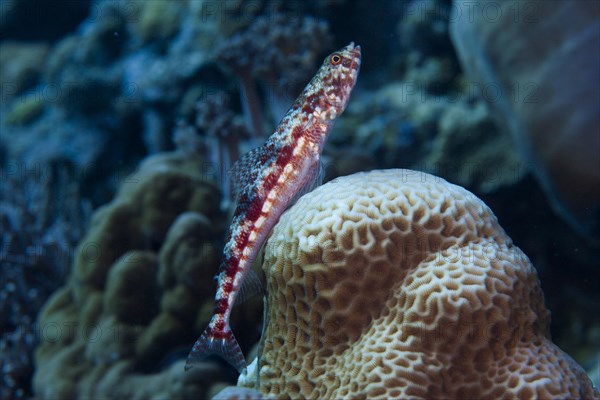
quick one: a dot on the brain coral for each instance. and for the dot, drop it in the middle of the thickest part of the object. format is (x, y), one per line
(398, 284)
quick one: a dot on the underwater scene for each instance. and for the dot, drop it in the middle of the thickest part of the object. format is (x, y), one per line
(271, 199)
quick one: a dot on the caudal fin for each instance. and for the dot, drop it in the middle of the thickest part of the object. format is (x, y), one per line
(221, 343)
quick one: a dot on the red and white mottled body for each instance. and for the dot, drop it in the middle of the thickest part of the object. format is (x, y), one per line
(268, 179)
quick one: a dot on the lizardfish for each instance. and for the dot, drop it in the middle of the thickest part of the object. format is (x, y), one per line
(267, 180)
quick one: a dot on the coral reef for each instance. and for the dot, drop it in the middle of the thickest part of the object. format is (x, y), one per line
(426, 57)
(41, 220)
(470, 151)
(27, 109)
(452, 135)
(549, 98)
(283, 61)
(97, 98)
(427, 116)
(20, 67)
(89, 88)
(141, 287)
(157, 20)
(107, 93)
(216, 135)
(398, 284)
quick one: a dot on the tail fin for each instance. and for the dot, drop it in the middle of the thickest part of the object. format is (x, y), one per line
(221, 343)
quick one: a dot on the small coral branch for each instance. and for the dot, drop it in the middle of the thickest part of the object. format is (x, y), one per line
(216, 134)
(279, 51)
(233, 53)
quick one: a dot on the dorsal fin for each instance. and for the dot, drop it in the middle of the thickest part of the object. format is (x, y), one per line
(245, 170)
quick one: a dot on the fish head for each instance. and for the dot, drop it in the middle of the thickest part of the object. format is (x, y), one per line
(338, 73)
(326, 95)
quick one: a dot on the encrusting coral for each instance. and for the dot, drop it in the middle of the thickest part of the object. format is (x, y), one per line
(396, 284)
(136, 292)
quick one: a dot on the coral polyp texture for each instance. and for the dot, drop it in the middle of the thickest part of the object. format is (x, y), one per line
(399, 284)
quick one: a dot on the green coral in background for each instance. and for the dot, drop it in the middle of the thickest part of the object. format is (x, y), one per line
(133, 302)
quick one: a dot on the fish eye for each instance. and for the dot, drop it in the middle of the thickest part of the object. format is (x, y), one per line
(335, 59)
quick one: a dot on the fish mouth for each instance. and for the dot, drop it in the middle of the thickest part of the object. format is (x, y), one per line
(355, 50)
(352, 46)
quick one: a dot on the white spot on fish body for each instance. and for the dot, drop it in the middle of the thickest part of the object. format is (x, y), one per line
(272, 194)
(299, 145)
(253, 235)
(246, 253)
(289, 168)
(260, 220)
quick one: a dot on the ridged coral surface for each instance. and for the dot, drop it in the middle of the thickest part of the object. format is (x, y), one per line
(398, 284)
